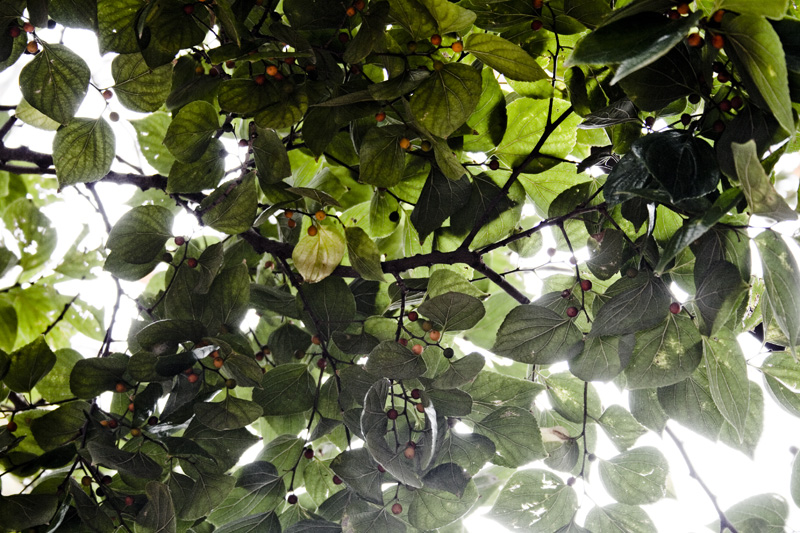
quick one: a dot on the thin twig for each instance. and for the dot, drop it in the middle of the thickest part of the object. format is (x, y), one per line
(61, 316)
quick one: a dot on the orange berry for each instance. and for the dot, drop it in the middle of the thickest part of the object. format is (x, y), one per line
(135, 432)
(717, 41)
(120, 387)
(320, 215)
(420, 408)
(436, 39)
(312, 231)
(291, 224)
(315, 340)
(351, 11)
(683, 9)
(717, 16)
(417, 349)
(104, 423)
(32, 47)
(435, 335)
(199, 70)
(218, 363)
(260, 79)
(193, 378)
(272, 70)
(405, 144)
(131, 407)
(288, 213)
(457, 47)
(410, 451)
(28, 27)
(694, 40)
(380, 117)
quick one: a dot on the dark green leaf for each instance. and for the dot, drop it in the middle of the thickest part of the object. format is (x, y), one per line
(536, 501)
(392, 360)
(200, 175)
(641, 306)
(261, 522)
(447, 98)
(358, 470)
(139, 236)
(491, 390)
(191, 130)
(537, 335)
(431, 509)
(22, 511)
(453, 311)
(440, 198)
(272, 162)
(691, 404)
(55, 82)
(139, 87)
(382, 160)
(602, 358)
(782, 281)
(61, 426)
(286, 389)
(231, 413)
(83, 151)
(136, 464)
(158, 514)
(28, 365)
(515, 434)
(232, 207)
(727, 378)
(331, 304)
(460, 372)
(505, 57)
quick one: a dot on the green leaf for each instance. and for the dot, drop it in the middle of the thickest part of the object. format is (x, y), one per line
(665, 354)
(272, 161)
(636, 477)
(191, 131)
(536, 501)
(690, 403)
(491, 390)
(619, 517)
(8, 328)
(621, 427)
(756, 50)
(641, 305)
(753, 425)
(453, 311)
(74, 13)
(364, 254)
(646, 409)
(230, 293)
(447, 98)
(88, 510)
(230, 413)
(602, 358)
(515, 434)
(139, 236)
(794, 484)
(150, 133)
(28, 365)
(91, 377)
(761, 195)
(719, 295)
(116, 20)
(83, 151)
(232, 207)
(527, 122)
(634, 42)
(30, 115)
(286, 389)
(533, 334)
(138, 465)
(203, 174)
(139, 87)
(448, 477)
(317, 257)
(262, 522)
(460, 372)
(392, 360)
(566, 394)
(440, 198)
(432, 509)
(782, 282)
(54, 387)
(382, 160)
(158, 513)
(55, 82)
(61, 426)
(332, 305)
(22, 511)
(727, 378)
(360, 472)
(36, 238)
(764, 513)
(370, 35)
(505, 57)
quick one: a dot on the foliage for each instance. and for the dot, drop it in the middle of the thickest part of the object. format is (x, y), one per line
(398, 160)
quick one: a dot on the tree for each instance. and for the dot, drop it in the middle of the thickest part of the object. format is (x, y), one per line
(398, 161)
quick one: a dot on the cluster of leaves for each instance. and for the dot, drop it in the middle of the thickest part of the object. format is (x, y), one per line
(378, 145)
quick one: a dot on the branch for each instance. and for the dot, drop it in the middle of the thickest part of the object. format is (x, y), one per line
(61, 316)
(724, 523)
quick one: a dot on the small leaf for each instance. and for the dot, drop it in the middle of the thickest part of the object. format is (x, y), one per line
(453, 311)
(55, 82)
(285, 390)
(28, 365)
(621, 427)
(566, 394)
(450, 17)
(19, 512)
(504, 56)
(364, 254)
(537, 335)
(272, 161)
(761, 195)
(191, 130)
(515, 434)
(139, 236)
(61, 426)
(392, 360)
(636, 477)
(317, 257)
(447, 98)
(83, 151)
(535, 500)
(137, 464)
(690, 403)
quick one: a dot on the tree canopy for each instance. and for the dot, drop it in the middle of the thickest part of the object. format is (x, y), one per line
(356, 291)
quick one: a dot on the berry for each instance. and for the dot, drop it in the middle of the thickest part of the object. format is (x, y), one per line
(343, 38)
(191, 262)
(244, 142)
(566, 293)
(397, 508)
(180, 241)
(591, 457)
(359, 4)
(426, 146)
(188, 9)
(410, 450)
(320, 215)
(51, 24)
(230, 383)
(413, 316)
(394, 216)
(435, 335)
(322, 364)
(723, 77)
(308, 453)
(315, 340)
(218, 363)
(213, 72)
(152, 421)
(586, 285)
(436, 39)
(448, 353)
(199, 70)
(649, 121)
(381, 469)
(417, 349)
(457, 47)
(683, 9)
(260, 79)
(427, 326)
(551, 252)
(337, 480)
(405, 144)
(28, 27)
(292, 499)
(136, 432)
(312, 231)
(694, 98)
(380, 116)
(288, 213)
(131, 407)
(113, 424)
(686, 119)
(106, 480)
(572, 312)
(192, 378)
(86, 481)
(438, 65)
(573, 260)
(415, 393)
(272, 70)
(717, 41)
(695, 40)
(12, 426)
(351, 11)
(129, 500)
(299, 354)
(113, 116)
(725, 106)
(494, 164)
(32, 47)
(537, 25)
(718, 126)
(14, 31)
(403, 342)
(230, 63)
(673, 14)
(717, 16)
(631, 272)
(420, 408)
(120, 387)
(107, 94)
(674, 308)
(737, 102)
(291, 224)
(391, 414)
(571, 481)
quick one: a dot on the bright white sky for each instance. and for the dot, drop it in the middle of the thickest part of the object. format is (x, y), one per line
(729, 474)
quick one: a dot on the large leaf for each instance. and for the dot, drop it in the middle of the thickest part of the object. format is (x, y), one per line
(718, 295)
(447, 98)
(764, 513)
(690, 403)
(230, 413)
(55, 82)
(139, 87)
(83, 151)
(191, 130)
(515, 434)
(636, 477)
(782, 282)
(727, 378)
(440, 198)
(285, 390)
(28, 365)
(381, 157)
(232, 207)
(536, 501)
(139, 236)
(317, 256)
(19, 512)
(505, 57)
(537, 335)
(641, 305)
(392, 360)
(619, 517)
(453, 311)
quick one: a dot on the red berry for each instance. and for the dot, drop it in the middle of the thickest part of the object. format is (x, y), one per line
(586, 285)
(191, 262)
(536, 25)
(28, 27)
(315, 340)
(292, 499)
(381, 469)
(192, 378)
(415, 393)
(674, 308)
(694, 40)
(12, 426)
(397, 508)
(420, 408)
(131, 407)
(717, 41)
(403, 342)
(188, 9)
(737, 102)
(129, 500)
(572, 312)
(380, 116)
(120, 387)
(718, 126)
(566, 293)
(725, 106)
(107, 94)
(309, 453)
(436, 39)
(180, 241)
(391, 414)
(260, 79)
(14, 31)
(494, 164)
(413, 316)
(417, 349)
(322, 364)
(113, 424)
(337, 480)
